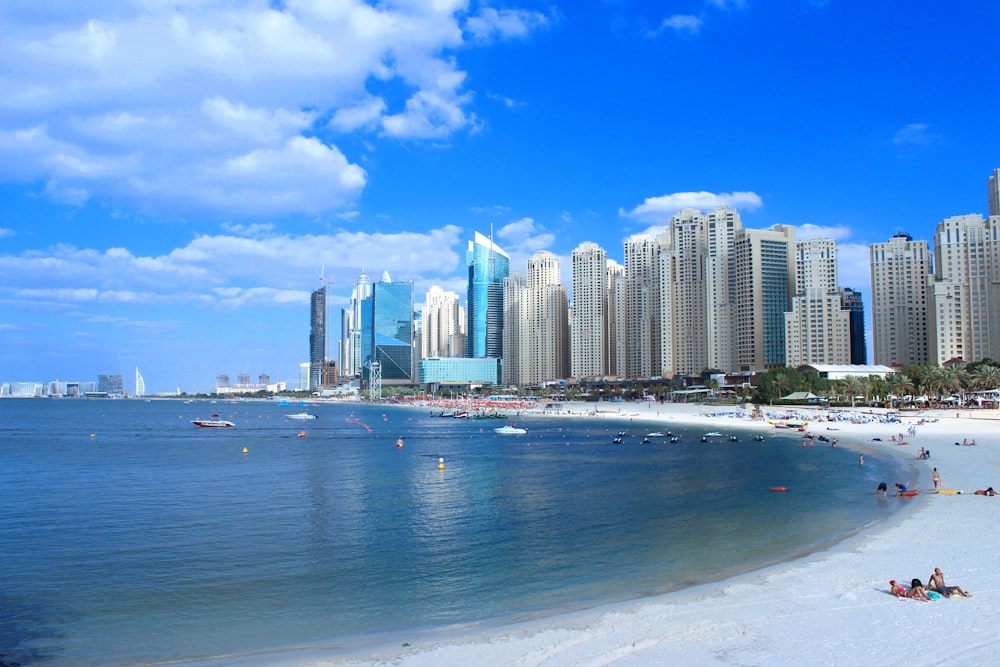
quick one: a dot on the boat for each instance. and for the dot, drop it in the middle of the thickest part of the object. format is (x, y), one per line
(713, 434)
(303, 416)
(655, 434)
(214, 422)
(510, 430)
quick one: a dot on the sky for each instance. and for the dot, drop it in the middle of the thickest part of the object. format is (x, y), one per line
(177, 176)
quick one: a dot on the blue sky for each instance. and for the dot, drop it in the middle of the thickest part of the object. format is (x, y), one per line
(174, 174)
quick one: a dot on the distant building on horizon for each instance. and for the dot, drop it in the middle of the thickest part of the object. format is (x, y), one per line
(317, 337)
(851, 301)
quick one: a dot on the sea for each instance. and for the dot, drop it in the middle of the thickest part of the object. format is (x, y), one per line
(130, 536)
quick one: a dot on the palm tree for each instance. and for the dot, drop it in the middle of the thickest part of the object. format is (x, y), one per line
(853, 385)
(986, 377)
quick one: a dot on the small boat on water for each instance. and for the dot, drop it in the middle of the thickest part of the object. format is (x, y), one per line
(655, 434)
(214, 422)
(510, 430)
(303, 416)
(713, 434)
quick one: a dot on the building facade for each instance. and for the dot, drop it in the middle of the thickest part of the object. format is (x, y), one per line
(764, 277)
(488, 265)
(317, 337)
(442, 331)
(851, 301)
(817, 329)
(387, 332)
(589, 353)
(900, 269)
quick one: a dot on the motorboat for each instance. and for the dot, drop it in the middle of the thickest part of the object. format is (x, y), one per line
(303, 416)
(508, 429)
(713, 434)
(655, 434)
(214, 422)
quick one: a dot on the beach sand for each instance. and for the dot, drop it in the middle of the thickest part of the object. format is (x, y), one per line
(831, 607)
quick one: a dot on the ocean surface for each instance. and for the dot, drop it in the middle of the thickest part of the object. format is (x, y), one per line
(128, 535)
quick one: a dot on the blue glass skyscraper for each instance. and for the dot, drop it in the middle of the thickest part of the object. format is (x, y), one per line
(488, 266)
(387, 330)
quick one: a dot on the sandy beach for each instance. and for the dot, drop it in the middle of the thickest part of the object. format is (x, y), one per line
(831, 607)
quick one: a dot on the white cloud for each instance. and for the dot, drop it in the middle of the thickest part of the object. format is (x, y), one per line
(237, 262)
(491, 23)
(111, 101)
(660, 209)
(854, 266)
(686, 23)
(4, 232)
(525, 236)
(810, 231)
(915, 134)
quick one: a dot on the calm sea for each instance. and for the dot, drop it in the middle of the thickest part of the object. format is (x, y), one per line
(128, 535)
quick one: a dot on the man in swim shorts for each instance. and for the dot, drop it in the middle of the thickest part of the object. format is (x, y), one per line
(936, 582)
(882, 491)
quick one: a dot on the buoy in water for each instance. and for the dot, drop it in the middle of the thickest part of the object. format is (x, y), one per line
(399, 442)
(246, 451)
(302, 434)
(778, 488)
(440, 464)
(93, 435)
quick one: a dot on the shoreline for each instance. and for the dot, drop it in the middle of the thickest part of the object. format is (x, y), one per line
(828, 606)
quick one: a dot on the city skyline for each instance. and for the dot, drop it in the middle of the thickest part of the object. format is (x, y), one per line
(175, 179)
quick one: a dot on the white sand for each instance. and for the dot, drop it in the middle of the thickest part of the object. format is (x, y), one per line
(829, 608)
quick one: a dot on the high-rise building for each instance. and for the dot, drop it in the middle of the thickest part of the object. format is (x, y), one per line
(817, 329)
(642, 320)
(111, 384)
(387, 332)
(545, 333)
(350, 328)
(964, 294)
(442, 325)
(900, 268)
(703, 290)
(317, 337)
(617, 317)
(515, 315)
(764, 276)
(588, 356)
(851, 301)
(993, 193)
(488, 266)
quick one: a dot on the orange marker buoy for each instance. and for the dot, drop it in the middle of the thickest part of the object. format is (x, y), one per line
(302, 434)
(778, 488)
(399, 442)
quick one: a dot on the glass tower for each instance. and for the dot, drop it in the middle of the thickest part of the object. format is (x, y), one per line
(317, 337)
(488, 266)
(387, 330)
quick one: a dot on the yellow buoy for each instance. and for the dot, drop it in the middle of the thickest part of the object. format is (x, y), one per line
(246, 451)
(93, 435)
(440, 464)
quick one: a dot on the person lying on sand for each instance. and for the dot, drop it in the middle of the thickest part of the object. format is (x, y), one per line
(937, 583)
(986, 492)
(915, 592)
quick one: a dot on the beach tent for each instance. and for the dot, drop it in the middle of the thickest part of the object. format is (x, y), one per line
(800, 396)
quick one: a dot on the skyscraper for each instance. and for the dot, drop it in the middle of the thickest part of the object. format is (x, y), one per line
(515, 315)
(545, 333)
(764, 277)
(317, 337)
(488, 266)
(964, 303)
(588, 357)
(850, 300)
(442, 333)
(642, 320)
(900, 268)
(387, 331)
(817, 329)
(350, 323)
(993, 193)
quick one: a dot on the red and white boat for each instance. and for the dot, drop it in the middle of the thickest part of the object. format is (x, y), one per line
(214, 422)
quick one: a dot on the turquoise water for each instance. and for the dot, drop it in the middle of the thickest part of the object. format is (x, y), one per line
(157, 541)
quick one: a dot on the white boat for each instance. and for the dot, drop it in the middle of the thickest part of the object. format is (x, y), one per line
(303, 416)
(510, 430)
(655, 434)
(214, 422)
(713, 434)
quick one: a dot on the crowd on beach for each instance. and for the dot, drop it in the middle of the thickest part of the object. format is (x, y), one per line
(917, 591)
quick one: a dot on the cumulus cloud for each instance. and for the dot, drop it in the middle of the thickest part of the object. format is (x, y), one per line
(125, 101)
(491, 23)
(810, 231)
(660, 209)
(526, 236)
(254, 267)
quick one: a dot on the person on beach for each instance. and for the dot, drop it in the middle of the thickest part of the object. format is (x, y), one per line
(937, 583)
(915, 592)
(986, 492)
(861, 459)
(921, 454)
(900, 489)
(882, 491)
(936, 478)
